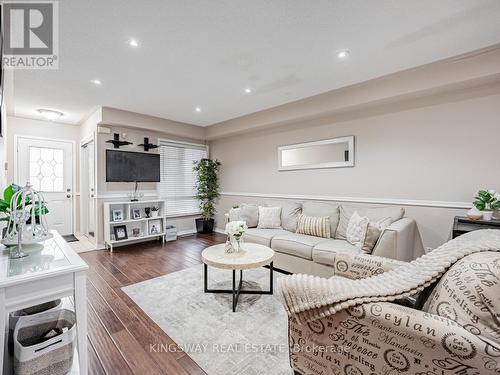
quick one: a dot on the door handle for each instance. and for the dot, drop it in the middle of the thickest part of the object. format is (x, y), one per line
(68, 196)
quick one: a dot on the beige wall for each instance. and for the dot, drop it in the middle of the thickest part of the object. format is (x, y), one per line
(89, 127)
(118, 191)
(435, 153)
(118, 117)
(459, 76)
(43, 129)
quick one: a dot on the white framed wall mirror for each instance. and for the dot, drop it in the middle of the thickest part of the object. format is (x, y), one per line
(327, 153)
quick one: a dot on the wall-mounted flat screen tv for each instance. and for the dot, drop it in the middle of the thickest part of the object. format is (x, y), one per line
(128, 166)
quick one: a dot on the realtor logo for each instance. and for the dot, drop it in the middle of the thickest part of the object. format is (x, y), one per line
(30, 31)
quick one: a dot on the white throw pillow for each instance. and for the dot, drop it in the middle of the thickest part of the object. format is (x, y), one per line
(356, 230)
(269, 217)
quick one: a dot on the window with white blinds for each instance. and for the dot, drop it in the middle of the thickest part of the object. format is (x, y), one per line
(177, 178)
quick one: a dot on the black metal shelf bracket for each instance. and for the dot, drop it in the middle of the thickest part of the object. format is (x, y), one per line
(148, 146)
(116, 141)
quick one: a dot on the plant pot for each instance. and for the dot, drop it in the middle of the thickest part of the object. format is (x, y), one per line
(487, 215)
(154, 213)
(204, 225)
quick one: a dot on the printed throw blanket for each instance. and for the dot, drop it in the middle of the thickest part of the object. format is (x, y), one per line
(311, 297)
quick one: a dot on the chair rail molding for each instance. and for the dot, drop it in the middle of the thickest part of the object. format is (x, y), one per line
(392, 201)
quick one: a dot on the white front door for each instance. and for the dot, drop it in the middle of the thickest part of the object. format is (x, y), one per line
(48, 166)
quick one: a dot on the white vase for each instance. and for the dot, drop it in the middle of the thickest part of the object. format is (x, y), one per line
(487, 215)
(154, 213)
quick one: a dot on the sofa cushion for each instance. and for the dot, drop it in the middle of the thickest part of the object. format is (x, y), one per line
(373, 213)
(325, 251)
(249, 213)
(323, 209)
(299, 245)
(261, 236)
(314, 226)
(468, 294)
(269, 217)
(290, 212)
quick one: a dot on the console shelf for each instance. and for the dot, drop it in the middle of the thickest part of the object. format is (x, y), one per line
(132, 220)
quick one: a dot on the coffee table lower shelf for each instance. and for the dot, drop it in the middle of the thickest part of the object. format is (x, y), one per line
(236, 291)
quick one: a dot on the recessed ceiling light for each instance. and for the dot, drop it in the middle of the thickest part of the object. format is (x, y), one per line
(343, 54)
(197, 109)
(248, 90)
(50, 114)
(133, 43)
(96, 82)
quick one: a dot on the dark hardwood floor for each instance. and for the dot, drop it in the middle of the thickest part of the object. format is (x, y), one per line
(119, 332)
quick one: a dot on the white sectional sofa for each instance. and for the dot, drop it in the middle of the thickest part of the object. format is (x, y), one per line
(300, 253)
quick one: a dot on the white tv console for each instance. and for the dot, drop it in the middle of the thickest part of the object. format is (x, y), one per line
(145, 226)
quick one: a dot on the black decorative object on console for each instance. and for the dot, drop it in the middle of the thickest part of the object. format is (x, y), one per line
(116, 141)
(147, 146)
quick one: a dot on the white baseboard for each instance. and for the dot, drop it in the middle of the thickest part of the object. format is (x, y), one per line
(390, 201)
(188, 232)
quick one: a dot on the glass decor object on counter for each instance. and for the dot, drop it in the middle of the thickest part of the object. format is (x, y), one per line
(29, 224)
(19, 218)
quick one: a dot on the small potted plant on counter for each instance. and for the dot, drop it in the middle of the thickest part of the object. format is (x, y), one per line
(5, 205)
(154, 211)
(487, 201)
(207, 192)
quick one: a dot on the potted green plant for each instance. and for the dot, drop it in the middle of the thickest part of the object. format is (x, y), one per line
(154, 211)
(207, 192)
(5, 205)
(487, 201)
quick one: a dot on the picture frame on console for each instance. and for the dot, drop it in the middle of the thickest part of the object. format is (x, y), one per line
(155, 227)
(118, 215)
(136, 213)
(120, 232)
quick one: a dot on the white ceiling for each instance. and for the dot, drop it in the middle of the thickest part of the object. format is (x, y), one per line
(205, 53)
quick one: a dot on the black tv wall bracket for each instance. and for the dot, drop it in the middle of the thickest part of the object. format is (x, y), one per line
(116, 141)
(148, 146)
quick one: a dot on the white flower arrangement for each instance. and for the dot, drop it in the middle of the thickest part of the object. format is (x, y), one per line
(236, 229)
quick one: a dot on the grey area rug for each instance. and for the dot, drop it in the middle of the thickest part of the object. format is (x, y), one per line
(251, 341)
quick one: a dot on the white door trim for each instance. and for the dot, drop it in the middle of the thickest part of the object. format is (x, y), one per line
(83, 142)
(73, 169)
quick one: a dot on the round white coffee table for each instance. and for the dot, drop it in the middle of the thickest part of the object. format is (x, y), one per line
(251, 256)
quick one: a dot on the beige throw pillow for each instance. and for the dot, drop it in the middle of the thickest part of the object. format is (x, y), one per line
(269, 217)
(373, 213)
(314, 226)
(373, 232)
(356, 230)
(468, 294)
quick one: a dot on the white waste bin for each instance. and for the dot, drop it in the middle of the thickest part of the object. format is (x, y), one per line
(171, 233)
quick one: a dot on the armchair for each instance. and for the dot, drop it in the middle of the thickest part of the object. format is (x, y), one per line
(457, 330)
